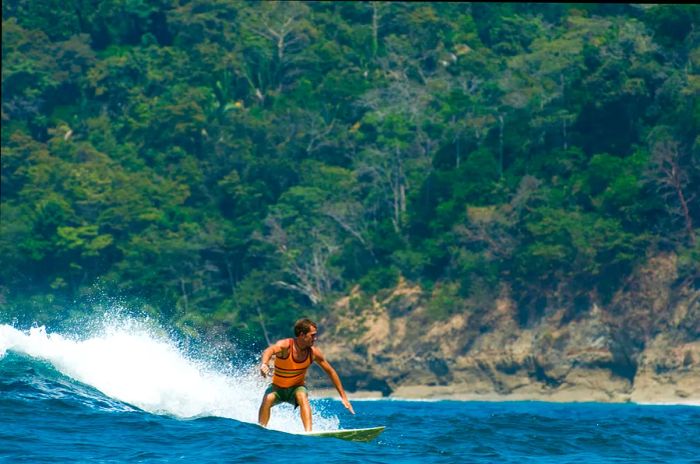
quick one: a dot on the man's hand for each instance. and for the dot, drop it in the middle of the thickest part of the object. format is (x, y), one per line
(347, 404)
(264, 370)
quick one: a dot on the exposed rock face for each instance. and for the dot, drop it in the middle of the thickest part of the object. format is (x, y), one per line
(667, 371)
(645, 346)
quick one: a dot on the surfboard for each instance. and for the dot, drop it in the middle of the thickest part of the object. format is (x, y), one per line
(349, 434)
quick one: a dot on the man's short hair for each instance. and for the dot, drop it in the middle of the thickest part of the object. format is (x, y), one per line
(303, 326)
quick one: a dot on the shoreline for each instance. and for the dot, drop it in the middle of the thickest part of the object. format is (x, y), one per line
(448, 393)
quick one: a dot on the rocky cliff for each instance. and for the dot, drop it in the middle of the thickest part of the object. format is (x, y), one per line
(643, 346)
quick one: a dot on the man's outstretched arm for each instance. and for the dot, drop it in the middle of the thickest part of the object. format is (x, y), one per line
(333, 375)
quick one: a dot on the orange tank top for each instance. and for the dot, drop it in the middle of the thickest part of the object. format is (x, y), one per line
(289, 372)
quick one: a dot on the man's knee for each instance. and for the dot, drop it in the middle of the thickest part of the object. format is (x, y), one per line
(302, 397)
(269, 399)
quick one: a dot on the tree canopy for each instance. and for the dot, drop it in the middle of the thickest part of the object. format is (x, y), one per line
(234, 165)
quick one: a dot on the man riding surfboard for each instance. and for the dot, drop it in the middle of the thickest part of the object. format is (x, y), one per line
(293, 356)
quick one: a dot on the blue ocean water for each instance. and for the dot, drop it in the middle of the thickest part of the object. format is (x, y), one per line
(125, 395)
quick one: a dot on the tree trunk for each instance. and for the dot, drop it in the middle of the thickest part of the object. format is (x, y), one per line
(500, 144)
(184, 294)
(398, 191)
(231, 280)
(671, 177)
(686, 215)
(375, 28)
(678, 187)
(458, 155)
(563, 121)
(262, 325)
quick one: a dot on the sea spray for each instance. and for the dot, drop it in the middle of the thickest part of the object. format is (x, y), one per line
(136, 362)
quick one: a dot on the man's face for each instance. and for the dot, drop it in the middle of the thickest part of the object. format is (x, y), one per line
(310, 337)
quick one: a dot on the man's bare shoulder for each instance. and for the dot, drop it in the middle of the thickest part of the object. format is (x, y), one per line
(281, 345)
(318, 355)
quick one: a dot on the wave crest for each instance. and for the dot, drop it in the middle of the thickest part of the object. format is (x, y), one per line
(135, 364)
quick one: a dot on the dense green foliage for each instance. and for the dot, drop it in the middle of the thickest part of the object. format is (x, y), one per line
(232, 165)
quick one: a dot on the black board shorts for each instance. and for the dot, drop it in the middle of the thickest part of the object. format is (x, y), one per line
(286, 395)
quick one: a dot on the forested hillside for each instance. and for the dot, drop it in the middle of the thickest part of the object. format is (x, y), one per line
(229, 166)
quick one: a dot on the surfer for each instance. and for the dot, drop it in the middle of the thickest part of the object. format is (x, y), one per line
(293, 356)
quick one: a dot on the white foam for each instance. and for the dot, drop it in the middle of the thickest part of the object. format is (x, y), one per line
(129, 362)
(692, 402)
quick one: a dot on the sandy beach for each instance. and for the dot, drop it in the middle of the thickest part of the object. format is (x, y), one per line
(459, 393)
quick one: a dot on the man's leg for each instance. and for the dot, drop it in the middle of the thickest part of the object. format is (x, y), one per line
(304, 408)
(264, 412)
